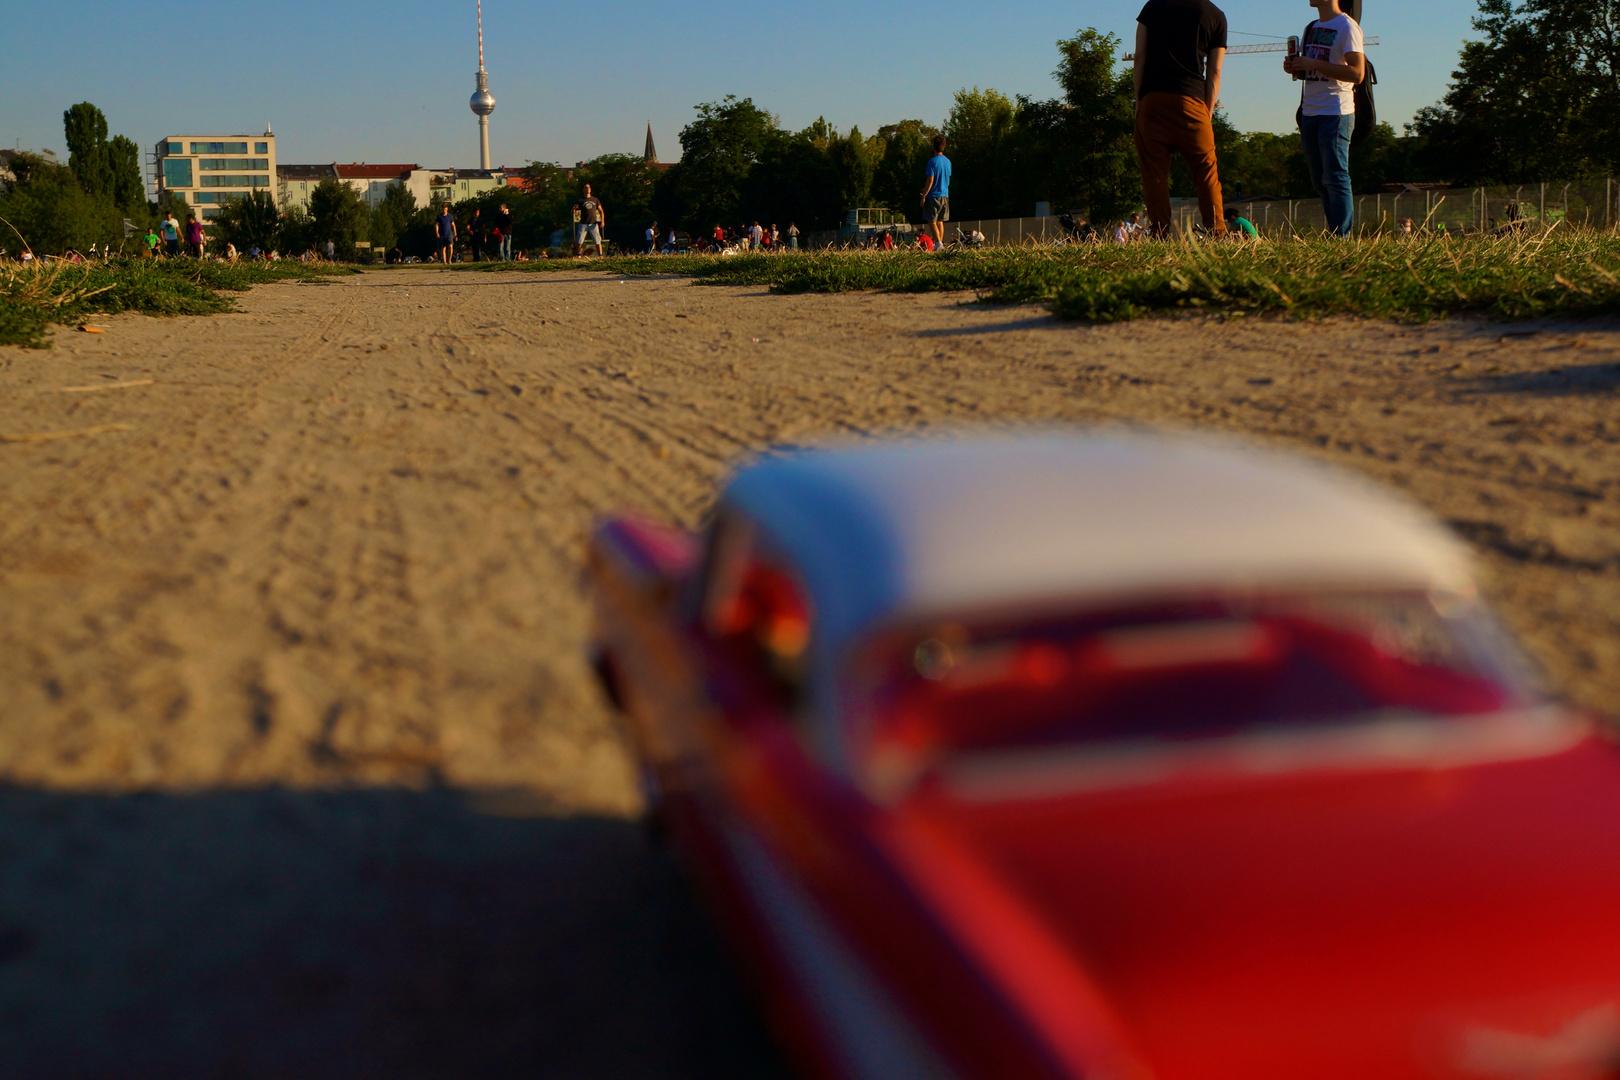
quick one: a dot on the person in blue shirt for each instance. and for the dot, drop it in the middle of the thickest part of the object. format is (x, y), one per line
(936, 192)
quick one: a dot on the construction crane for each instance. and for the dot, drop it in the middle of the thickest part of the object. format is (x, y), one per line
(1352, 9)
(1273, 47)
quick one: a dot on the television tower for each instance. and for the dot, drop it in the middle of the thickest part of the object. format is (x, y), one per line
(483, 102)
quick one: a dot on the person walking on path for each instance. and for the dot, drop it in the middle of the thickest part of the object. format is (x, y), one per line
(592, 219)
(1180, 46)
(475, 233)
(447, 234)
(331, 251)
(755, 236)
(1332, 63)
(194, 237)
(652, 239)
(793, 236)
(503, 225)
(936, 192)
(152, 241)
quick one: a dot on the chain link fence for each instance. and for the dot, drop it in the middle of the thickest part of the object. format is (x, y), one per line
(1582, 204)
(1585, 204)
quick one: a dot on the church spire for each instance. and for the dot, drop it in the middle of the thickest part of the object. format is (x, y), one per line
(651, 153)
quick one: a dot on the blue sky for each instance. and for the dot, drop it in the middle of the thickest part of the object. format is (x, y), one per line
(388, 80)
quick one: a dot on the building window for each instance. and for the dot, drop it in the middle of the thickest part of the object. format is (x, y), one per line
(219, 148)
(213, 181)
(173, 148)
(219, 164)
(210, 215)
(261, 148)
(176, 172)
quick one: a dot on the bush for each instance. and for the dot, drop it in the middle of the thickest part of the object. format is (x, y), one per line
(32, 297)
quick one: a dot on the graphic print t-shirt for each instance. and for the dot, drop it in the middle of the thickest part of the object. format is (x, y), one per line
(1330, 41)
(590, 210)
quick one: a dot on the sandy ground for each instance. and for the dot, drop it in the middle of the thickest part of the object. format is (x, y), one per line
(307, 774)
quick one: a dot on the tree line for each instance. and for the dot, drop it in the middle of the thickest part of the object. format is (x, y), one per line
(1537, 99)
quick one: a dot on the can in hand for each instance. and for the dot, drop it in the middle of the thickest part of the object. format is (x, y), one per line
(1293, 50)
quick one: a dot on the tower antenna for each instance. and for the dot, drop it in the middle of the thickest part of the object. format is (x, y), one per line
(483, 102)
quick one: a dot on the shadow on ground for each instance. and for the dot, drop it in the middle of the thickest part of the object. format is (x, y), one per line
(1578, 379)
(356, 934)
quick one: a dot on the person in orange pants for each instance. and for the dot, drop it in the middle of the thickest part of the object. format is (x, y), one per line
(1180, 46)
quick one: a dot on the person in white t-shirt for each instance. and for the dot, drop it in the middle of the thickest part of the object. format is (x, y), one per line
(1331, 60)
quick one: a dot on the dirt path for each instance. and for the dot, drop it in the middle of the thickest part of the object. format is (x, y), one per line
(338, 546)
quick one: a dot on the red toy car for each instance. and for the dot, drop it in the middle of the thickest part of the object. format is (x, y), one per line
(1117, 756)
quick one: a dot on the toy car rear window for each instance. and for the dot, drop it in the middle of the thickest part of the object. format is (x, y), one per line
(1189, 670)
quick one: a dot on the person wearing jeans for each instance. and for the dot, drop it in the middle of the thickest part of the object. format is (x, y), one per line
(1326, 142)
(503, 222)
(1332, 63)
(1180, 45)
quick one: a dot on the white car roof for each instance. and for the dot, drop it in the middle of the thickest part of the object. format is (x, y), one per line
(881, 533)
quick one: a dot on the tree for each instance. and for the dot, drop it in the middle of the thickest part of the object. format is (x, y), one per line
(391, 217)
(1538, 99)
(897, 178)
(718, 150)
(128, 188)
(796, 181)
(85, 129)
(47, 205)
(86, 135)
(853, 161)
(978, 129)
(1078, 151)
(251, 220)
(337, 214)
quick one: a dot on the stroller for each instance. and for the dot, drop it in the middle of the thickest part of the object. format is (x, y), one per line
(1077, 230)
(972, 239)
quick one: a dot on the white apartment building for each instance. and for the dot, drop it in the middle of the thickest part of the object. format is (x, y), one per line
(294, 183)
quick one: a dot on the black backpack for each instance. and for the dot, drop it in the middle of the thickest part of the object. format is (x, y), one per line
(1366, 108)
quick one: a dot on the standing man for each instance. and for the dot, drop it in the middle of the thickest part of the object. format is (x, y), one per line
(652, 239)
(1332, 63)
(171, 235)
(592, 219)
(503, 222)
(1180, 45)
(755, 236)
(936, 192)
(447, 234)
(475, 233)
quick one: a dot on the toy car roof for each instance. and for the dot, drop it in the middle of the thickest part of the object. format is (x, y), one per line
(922, 528)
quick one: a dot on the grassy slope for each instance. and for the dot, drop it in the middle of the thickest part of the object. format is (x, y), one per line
(1514, 277)
(63, 292)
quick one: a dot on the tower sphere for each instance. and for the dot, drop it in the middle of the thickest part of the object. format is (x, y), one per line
(482, 101)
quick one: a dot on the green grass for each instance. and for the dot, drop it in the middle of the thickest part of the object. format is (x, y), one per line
(1568, 273)
(59, 292)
